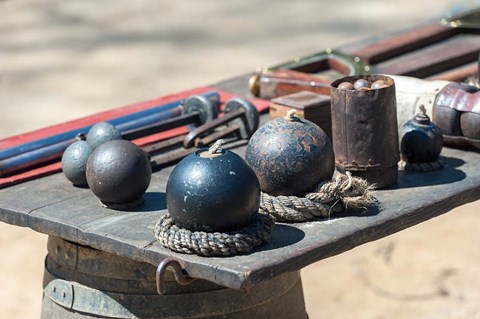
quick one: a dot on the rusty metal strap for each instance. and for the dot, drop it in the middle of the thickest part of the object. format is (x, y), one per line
(77, 297)
(461, 97)
(80, 298)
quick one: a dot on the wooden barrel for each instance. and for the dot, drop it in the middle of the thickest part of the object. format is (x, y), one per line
(82, 282)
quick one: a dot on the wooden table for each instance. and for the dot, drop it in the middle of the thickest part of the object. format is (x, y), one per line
(51, 205)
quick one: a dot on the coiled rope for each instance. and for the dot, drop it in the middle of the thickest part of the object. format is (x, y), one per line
(343, 192)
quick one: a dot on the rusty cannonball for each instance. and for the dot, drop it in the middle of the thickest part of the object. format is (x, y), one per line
(118, 172)
(212, 192)
(102, 132)
(74, 162)
(290, 156)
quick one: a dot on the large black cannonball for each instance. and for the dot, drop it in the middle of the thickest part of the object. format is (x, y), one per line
(118, 172)
(212, 193)
(290, 156)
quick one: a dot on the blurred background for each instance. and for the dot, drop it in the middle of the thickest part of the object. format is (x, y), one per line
(61, 60)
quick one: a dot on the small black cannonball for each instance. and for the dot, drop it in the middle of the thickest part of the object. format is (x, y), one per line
(212, 193)
(74, 162)
(290, 156)
(102, 132)
(421, 141)
(118, 172)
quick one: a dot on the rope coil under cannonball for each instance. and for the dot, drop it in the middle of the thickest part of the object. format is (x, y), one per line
(439, 163)
(214, 244)
(344, 191)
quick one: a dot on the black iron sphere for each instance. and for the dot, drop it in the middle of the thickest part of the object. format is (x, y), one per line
(290, 156)
(219, 192)
(421, 141)
(74, 162)
(118, 172)
(102, 132)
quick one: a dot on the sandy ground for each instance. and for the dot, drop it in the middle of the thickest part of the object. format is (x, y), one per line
(61, 60)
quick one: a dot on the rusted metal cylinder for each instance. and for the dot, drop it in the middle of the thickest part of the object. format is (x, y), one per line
(82, 282)
(364, 130)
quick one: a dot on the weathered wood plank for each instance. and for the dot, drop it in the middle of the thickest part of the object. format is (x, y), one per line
(405, 42)
(83, 216)
(433, 59)
(22, 199)
(417, 197)
(51, 205)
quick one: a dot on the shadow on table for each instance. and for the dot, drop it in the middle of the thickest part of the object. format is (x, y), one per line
(368, 211)
(446, 175)
(282, 235)
(154, 201)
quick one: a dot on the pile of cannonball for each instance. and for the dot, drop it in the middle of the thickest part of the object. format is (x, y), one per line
(117, 171)
(362, 85)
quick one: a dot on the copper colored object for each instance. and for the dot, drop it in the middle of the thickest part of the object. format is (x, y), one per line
(293, 76)
(456, 111)
(364, 131)
(308, 105)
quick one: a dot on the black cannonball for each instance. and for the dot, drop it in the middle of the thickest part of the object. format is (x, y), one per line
(218, 193)
(74, 162)
(290, 156)
(102, 132)
(421, 141)
(118, 172)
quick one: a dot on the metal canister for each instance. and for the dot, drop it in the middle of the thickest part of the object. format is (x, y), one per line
(364, 130)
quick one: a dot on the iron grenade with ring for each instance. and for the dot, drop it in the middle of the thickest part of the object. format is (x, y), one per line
(213, 201)
(290, 156)
(212, 191)
(420, 139)
(119, 173)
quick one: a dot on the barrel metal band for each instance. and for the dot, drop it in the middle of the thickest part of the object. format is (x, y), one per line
(80, 298)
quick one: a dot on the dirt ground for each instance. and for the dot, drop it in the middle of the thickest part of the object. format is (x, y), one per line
(61, 60)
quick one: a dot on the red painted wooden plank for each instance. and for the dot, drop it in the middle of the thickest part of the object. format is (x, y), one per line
(405, 42)
(434, 59)
(99, 117)
(261, 105)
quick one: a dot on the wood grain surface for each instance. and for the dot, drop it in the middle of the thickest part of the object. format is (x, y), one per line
(51, 205)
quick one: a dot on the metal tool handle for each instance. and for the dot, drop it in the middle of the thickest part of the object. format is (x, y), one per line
(329, 59)
(119, 121)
